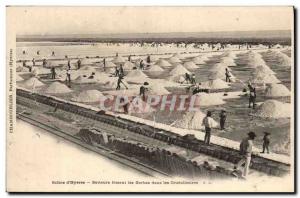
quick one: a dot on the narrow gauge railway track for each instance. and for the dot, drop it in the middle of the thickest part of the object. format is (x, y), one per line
(259, 163)
(123, 159)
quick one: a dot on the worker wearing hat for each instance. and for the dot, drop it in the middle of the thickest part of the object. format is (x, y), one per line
(246, 151)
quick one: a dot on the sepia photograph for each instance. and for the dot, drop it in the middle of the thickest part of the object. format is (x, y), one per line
(150, 99)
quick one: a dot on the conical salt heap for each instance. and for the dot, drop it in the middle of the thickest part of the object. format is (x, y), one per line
(192, 120)
(163, 63)
(177, 78)
(128, 65)
(190, 65)
(174, 60)
(157, 90)
(262, 69)
(273, 109)
(264, 78)
(283, 59)
(228, 61)
(110, 64)
(205, 99)
(199, 60)
(136, 74)
(102, 77)
(277, 90)
(19, 78)
(155, 68)
(214, 84)
(179, 70)
(89, 96)
(219, 67)
(255, 60)
(32, 82)
(58, 88)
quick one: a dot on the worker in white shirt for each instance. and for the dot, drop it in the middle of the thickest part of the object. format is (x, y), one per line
(208, 123)
(246, 152)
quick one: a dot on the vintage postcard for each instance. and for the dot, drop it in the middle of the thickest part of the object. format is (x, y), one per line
(150, 99)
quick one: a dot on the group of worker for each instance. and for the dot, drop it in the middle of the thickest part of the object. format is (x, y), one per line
(246, 144)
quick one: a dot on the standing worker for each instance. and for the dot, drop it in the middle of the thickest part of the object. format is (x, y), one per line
(53, 73)
(222, 119)
(119, 83)
(208, 123)
(121, 70)
(104, 64)
(117, 72)
(33, 62)
(227, 75)
(246, 152)
(143, 90)
(252, 96)
(193, 79)
(69, 76)
(129, 58)
(44, 63)
(69, 64)
(78, 64)
(266, 142)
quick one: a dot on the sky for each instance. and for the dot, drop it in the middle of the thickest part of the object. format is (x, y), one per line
(107, 20)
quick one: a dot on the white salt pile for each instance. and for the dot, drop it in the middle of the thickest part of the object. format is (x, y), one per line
(264, 78)
(40, 71)
(21, 69)
(177, 78)
(19, 78)
(214, 84)
(89, 96)
(32, 83)
(255, 60)
(283, 59)
(192, 120)
(275, 90)
(58, 88)
(118, 59)
(228, 61)
(154, 58)
(262, 69)
(155, 68)
(179, 70)
(157, 90)
(190, 65)
(273, 109)
(102, 78)
(110, 64)
(219, 67)
(128, 65)
(174, 60)
(136, 74)
(163, 63)
(199, 60)
(205, 99)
